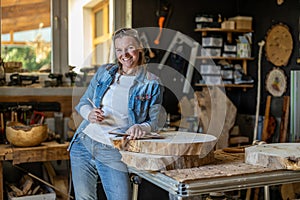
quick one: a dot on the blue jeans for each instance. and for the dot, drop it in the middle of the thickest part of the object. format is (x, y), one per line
(90, 159)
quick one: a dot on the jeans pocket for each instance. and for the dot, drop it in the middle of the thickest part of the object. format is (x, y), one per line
(79, 137)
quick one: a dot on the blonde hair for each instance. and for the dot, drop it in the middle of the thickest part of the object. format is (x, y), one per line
(134, 34)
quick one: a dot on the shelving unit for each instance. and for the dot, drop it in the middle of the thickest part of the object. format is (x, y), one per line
(243, 60)
(229, 39)
(229, 32)
(243, 86)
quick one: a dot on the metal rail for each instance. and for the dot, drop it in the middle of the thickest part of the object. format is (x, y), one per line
(204, 186)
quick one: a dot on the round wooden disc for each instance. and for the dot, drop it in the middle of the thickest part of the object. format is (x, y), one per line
(279, 45)
(276, 82)
(175, 143)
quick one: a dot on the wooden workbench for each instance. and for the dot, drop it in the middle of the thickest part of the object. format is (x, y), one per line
(47, 151)
(228, 172)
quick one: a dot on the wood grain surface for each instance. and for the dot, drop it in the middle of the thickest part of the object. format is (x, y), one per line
(275, 155)
(152, 162)
(175, 143)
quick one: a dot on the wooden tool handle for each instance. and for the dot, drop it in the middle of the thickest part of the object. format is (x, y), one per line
(147, 136)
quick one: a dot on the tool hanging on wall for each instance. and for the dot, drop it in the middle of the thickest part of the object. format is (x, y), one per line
(178, 39)
(145, 42)
(163, 15)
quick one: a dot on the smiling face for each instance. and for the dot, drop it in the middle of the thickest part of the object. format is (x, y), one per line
(127, 51)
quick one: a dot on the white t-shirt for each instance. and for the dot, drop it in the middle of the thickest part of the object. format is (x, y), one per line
(115, 108)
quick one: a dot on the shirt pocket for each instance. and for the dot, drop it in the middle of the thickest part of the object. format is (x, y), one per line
(141, 105)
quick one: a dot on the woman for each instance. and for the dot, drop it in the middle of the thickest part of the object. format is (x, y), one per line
(122, 97)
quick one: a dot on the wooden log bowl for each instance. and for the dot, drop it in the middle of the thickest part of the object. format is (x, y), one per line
(22, 135)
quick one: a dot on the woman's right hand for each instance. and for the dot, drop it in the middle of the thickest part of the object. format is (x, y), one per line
(96, 115)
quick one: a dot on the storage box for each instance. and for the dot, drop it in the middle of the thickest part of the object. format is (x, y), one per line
(242, 22)
(243, 50)
(212, 42)
(211, 52)
(229, 48)
(228, 25)
(208, 25)
(228, 55)
(212, 79)
(205, 18)
(47, 196)
(227, 74)
(210, 69)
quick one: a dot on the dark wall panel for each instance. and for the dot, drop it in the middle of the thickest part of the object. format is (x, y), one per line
(265, 14)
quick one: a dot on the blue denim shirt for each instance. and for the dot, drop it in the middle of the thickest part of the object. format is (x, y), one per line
(145, 97)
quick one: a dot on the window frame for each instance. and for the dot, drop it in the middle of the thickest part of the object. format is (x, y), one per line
(104, 7)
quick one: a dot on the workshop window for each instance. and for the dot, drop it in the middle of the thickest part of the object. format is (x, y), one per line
(35, 35)
(26, 35)
(101, 36)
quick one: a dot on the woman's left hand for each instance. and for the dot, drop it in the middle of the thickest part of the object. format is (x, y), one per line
(135, 132)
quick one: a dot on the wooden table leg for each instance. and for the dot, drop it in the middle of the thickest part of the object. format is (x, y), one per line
(1, 180)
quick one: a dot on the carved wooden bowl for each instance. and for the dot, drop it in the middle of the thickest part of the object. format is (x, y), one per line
(22, 135)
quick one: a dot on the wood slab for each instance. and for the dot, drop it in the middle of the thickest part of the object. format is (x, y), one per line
(225, 165)
(216, 112)
(175, 143)
(276, 155)
(153, 162)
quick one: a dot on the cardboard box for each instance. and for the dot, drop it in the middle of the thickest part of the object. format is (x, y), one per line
(243, 50)
(242, 22)
(228, 25)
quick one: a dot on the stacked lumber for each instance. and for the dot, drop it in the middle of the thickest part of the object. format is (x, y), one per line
(27, 186)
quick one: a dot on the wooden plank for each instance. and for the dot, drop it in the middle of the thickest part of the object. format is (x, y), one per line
(265, 134)
(24, 15)
(284, 119)
(7, 3)
(25, 23)
(17, 11)
(276, 155)
(44, 152)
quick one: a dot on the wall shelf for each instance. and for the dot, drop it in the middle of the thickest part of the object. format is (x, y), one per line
(227, 86)
(229, 32)
(244, 60)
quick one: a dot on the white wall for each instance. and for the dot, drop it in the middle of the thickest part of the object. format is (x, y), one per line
(80, 37)
(80, 28)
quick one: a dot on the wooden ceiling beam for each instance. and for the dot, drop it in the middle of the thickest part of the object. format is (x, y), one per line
(25, 23)
(8, 3)
(22, 15)
(25, 10)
